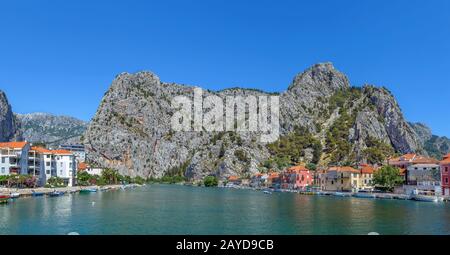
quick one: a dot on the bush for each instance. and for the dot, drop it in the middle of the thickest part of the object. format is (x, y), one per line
(210, 181)
(55, 182)
(387, 178)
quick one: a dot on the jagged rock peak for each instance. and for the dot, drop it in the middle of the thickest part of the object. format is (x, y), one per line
(322, 76)
(9, 127)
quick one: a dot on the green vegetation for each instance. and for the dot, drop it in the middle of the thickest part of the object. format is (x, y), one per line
(55, 182)
(18, 181)
(337, 144)
(377, 151)
(311, 166)
(290, 149)
(387, 178)
(241, 156)
(108, 177)
(210, 181)
(344, 98)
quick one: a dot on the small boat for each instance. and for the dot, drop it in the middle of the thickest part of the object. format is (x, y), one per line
(56, 193)
(267, 192)
(4, 199)
(342, 194)
(105, 188)
(37, 194)
(364, 195)
(88, 190)
(15, 195)
(423, 198)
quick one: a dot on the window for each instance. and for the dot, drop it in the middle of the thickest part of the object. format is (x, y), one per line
(446, 180)
(48, 171)
(446, 169)
(3, 170)
(47, 156)
(47, 163)
(3, 160)
(61, 164)
(342, 181)
(332, 182)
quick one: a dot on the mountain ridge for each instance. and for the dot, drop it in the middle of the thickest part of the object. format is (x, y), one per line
(340, 123)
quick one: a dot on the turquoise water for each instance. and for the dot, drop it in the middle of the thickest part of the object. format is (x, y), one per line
(172, 209)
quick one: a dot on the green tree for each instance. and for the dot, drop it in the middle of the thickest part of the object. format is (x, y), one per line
(387, 177)
(311, 166)
(210, 181)
(83, 178)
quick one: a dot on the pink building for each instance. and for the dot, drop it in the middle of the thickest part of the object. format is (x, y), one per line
(445, 175)
(297, 177)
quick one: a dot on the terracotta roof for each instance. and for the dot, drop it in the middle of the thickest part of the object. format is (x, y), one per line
(13, 145)
(446, 159)
(406, 157)
(82, 166)
(41, 150)
(367, 169)
(233, 178)
(413, 158)
(62, 152)
(343, 169)
(274, 175)
(424, 160)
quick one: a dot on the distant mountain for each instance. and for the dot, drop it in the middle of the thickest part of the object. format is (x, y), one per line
(435, 146)
(51, 129)
(9, 126)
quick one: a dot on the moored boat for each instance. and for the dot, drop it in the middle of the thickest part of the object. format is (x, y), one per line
(15, 195)
(267, 192)
(424, 198)
(56, 193)
(342, 194)
(37, 194)
(4, 199)
(88, 190)
(364, 195)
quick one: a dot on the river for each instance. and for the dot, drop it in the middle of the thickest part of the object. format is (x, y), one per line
(173, 209)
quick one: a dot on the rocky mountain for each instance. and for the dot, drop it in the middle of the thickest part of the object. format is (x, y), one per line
(435, 146)
(323, 120)
(9, 127)
(51, 129)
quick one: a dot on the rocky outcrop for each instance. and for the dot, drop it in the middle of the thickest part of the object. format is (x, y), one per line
(9, 127)
(131, 130)
(435, 146)
(51, 129)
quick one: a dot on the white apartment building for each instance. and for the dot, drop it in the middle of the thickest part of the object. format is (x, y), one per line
(14, 158)
(77, 150)
(66, 166)
(41, 163)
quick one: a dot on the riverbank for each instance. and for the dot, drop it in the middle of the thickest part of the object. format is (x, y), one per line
(46, 191)
(365, 195)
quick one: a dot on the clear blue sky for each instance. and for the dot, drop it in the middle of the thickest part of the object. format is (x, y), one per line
(61, 56)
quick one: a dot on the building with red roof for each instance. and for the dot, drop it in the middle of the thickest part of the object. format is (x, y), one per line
(14, 158)
(445, 175)
(297, 177)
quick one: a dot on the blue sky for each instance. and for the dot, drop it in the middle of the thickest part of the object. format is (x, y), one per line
(61, 56)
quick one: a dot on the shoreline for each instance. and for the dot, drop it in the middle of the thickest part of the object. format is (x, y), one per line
(45, 191)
